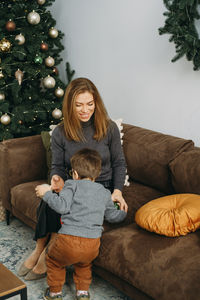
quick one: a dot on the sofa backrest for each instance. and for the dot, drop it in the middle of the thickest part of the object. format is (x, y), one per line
(148, 154)
(185, 172)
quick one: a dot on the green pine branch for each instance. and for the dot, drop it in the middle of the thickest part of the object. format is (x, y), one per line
(180, 25)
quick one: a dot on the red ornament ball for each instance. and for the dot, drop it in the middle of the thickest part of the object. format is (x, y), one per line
(55, 71)
(44, 46)
(10, 25)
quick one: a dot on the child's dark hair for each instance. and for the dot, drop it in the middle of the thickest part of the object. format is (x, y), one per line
(87, 163)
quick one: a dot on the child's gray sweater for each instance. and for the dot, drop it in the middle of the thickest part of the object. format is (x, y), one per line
(83, 205)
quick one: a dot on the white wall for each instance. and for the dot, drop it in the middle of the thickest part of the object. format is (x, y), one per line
(116, 44)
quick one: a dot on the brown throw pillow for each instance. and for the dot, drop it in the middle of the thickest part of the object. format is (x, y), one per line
(172, 215)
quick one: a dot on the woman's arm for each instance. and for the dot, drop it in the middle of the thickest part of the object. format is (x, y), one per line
(118, 164)
(58, 173)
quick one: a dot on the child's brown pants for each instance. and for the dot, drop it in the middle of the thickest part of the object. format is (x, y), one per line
(68, 250)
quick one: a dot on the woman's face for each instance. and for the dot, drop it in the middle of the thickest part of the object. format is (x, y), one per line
(84, 106)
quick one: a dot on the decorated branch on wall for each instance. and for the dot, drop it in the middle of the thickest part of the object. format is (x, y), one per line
(181, 16)
(31, 91)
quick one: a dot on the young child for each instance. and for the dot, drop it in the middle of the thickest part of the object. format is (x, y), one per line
(83, 204)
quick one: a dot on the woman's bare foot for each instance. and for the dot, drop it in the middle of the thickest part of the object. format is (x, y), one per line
(40, 266)
(33, 258)
(31, 261)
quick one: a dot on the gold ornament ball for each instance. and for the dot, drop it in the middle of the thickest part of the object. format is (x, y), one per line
(56, 113)
(5, 119)
(20, 39)
(2, 96)
(10, 25)
(41, 2)
(49, 61)
(33, 18)
(20, 122)
(59, 92)
(44, 46)
(53, 32)
(49, 82)
(5, 45)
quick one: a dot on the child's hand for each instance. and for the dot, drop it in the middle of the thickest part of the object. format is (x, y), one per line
(42, 189)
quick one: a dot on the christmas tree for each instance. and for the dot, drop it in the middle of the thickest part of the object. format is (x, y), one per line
(31, 91)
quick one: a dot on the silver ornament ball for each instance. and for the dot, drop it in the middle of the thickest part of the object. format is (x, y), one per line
(33, 18)
(49, 61)
(2, 96)
(41, 2)
(57, 113)
(53, 32)
(49, 82)
(59, 92)
(20, 39)
(5, 119)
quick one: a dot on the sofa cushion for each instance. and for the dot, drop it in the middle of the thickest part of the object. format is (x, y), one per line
(136, 195)
(164, 268)
(148, 154)
(172, 215)
(185, 170)
(24, 200)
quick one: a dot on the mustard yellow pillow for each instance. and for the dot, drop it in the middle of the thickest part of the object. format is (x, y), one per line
(172, 215)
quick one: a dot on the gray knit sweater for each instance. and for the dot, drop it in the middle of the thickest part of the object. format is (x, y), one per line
(83, 204)
(110, 149)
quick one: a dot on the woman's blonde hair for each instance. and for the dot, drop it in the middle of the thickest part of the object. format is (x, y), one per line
(72, 125)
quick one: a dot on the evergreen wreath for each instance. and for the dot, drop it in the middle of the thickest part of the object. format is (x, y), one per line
(180, 24)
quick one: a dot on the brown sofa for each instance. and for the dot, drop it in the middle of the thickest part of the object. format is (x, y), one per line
(144, 265)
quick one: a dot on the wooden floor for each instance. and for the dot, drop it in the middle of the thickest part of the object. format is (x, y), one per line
(10, 283)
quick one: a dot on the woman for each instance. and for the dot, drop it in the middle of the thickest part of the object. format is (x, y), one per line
(86, 124)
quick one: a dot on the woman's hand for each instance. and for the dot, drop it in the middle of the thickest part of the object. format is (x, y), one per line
(117, 197)
(57, 183)
(42, 189)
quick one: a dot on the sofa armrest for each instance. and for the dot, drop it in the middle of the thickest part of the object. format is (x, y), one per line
(21, 160)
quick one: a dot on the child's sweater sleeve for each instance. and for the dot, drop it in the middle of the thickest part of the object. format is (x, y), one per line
(112, 214)
(61, 203)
